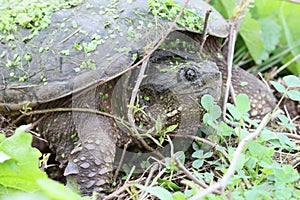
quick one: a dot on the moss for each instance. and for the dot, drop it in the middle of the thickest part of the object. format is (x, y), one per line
(168, 10)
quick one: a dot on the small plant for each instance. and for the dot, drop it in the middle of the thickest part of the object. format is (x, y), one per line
(20, 173)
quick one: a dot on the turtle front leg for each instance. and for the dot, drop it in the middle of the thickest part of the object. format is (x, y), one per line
(91, 161)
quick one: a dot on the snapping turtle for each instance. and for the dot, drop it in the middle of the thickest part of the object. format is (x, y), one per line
(76, 61)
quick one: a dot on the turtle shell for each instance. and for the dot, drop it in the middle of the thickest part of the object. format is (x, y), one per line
(82, 46)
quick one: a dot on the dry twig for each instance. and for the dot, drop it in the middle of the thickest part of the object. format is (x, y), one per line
(234, 26)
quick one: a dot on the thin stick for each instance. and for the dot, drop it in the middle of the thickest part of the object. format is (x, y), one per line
(121, 161)
(234, 25)
(285, 66)
(64, 40)
(204, 32)
(121, 190)
(231, 169)
(51, 110)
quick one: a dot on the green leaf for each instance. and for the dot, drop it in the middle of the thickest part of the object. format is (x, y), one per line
(279, 87)
(158, 124)
(242, 103)
(292, 81)
(22, 170)
(271, 32)
(168, 184)
(294, 95)
(56, 190)
(207, 101)
(198, 154)
(170, 128)
(225, 7)
(286, 174)
(250, 30)
(233, 111)
(289, 16)
(257, 193)
(179, 196)
(216, 112)
(159, 192)
(198, 163)
(180, 155)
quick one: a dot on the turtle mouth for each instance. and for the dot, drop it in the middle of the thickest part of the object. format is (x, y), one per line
(167, 106)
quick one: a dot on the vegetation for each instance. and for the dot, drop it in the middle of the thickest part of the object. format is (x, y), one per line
(269, 31)
(257, 168)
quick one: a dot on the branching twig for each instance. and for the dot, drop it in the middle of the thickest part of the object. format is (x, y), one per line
(231, 170)
(234, 26)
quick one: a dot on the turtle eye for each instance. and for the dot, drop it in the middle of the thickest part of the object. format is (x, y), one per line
(190, 74)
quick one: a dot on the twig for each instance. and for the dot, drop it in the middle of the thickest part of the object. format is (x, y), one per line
(144, 193)
(231, 170)
(121, 161)
(284, 66)
(153, 169)
(68, 37)
(121, 190)
(51, 110)
(204, 32)
(234, 26)
(191, 176)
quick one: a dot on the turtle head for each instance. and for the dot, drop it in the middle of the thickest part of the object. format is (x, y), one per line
(170, 92)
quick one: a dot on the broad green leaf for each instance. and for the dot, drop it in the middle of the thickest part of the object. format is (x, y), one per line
(216, 112)
(225, 7)
(233, 111)
(294, 95)
(260, 151)
(257, 193)
(24, 196)
(286, 174)
(271, 32)
(292, 81)
(287, 14)
(56, 190)
(289, 17)
(159, 192)
(198, 154)
(250, 30)
(207, 101)
(242, 103)
(22, 170)
(198, 163)
(278, 86)
(283, 193)
(179, 196)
